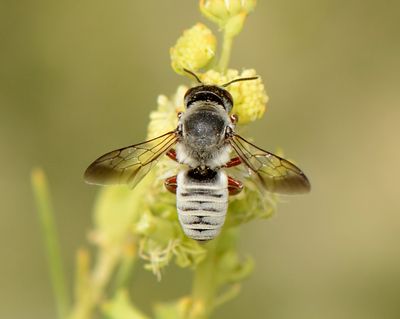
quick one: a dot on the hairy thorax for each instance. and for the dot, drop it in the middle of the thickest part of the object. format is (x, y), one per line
(203, 140)
(215, 158)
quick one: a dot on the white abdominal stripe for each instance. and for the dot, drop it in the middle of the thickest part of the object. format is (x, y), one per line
(202, 205)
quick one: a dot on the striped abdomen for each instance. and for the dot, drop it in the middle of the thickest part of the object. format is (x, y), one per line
(202, 201)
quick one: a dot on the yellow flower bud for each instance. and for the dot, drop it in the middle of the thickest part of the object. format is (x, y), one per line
(194, 49)
(235, 24)
(221, 11)
(249, 97)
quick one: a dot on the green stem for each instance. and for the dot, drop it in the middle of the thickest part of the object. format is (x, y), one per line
(105, 265)
(205, 282)
(226, 52)
(109, 257)
(82, 273)
(232, 292)
(46, 217)
(125, 271)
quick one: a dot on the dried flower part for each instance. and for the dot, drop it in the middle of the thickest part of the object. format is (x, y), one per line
(194, 49)
(249, 97)
(228, 14)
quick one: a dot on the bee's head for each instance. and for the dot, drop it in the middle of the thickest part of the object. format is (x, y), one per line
(209, 94)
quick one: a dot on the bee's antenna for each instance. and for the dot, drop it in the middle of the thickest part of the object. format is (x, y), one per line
(240, 79)
(193, 74)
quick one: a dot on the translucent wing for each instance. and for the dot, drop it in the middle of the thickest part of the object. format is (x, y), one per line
(130, 164)
(273, 172)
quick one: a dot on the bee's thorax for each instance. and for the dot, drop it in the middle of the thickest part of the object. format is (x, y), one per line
(203, 140)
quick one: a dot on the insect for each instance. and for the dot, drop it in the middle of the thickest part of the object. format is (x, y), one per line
(202, 143)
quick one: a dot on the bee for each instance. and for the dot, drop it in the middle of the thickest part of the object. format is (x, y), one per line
(202, 143)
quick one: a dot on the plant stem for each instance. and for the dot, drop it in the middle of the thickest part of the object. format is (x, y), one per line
(204, 282)
(115, 254)
(125, 270)
(105, 265)
(226, 52)
(82, 273)
(46, 218)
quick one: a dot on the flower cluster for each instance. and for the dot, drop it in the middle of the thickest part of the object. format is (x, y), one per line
(249, 97)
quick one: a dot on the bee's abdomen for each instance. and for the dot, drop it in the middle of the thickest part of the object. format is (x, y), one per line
(202, 203)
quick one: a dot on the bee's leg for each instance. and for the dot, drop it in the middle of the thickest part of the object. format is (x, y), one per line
(234, 186)
(172, 154)
(170, 184)
(233, 162)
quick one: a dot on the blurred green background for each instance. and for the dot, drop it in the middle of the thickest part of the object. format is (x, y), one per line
(78, 78)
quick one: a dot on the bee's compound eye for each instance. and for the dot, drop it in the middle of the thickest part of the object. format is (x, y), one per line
(179, 114)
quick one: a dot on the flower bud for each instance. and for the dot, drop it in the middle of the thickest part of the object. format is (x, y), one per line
(235, 24)
(194, 49)
(222, 11)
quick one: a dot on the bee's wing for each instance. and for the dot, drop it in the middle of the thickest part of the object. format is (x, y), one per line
(130, 164)
(274, 173)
